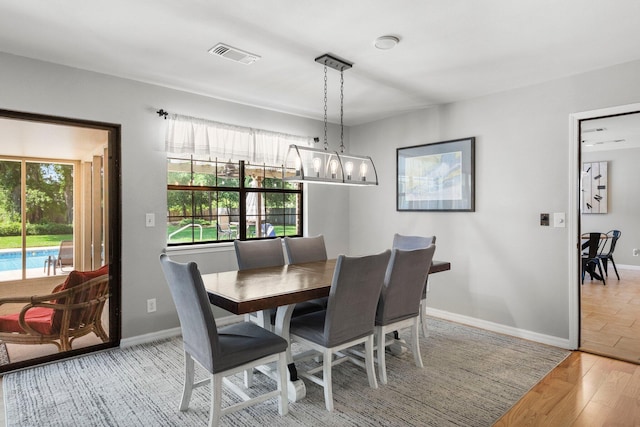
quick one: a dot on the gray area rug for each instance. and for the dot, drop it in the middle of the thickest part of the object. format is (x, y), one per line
(471, 377)
(4, 354)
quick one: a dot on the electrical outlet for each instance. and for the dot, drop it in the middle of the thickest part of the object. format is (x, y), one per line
(636, 252)
(151, 305)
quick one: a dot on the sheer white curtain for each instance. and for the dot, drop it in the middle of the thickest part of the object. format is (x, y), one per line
(189, 135)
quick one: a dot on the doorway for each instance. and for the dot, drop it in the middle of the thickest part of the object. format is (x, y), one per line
(607, 149)
(60, 213)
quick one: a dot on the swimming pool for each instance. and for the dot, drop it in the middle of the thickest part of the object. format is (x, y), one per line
(12, 259)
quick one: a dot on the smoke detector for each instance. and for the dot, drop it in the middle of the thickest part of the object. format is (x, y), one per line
(234, 54)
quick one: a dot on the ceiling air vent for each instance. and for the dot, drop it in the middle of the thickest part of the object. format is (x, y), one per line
(233, 54)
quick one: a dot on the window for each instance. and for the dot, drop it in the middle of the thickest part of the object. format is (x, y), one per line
(37, 213)
(216, 201)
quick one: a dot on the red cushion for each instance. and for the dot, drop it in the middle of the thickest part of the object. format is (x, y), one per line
(76, 278)
(39, 318)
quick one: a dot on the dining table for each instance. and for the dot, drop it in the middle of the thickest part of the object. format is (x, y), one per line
(281, 288)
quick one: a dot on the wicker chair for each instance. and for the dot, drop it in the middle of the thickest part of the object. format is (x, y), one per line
(72, 310)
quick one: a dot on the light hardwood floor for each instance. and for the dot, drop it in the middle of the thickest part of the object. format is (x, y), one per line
(611, 316)
(584, 390)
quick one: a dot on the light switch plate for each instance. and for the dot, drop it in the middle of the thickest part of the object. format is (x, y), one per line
(150, 220)
(559, 219)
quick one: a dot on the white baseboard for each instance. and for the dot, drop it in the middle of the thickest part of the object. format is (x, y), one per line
(628, 267)
(170, 333)
(465, 320)
(502, 329)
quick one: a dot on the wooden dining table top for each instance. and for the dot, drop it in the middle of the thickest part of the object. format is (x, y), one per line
(247, 291)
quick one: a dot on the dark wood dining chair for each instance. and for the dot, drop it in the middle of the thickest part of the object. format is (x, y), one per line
(347, 321)
(399, 303)
(590, 260)
(221, 351)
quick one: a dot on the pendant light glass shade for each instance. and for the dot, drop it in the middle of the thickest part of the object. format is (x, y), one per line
(330, 167)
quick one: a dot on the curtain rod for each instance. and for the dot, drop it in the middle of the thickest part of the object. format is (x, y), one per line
(163, 113)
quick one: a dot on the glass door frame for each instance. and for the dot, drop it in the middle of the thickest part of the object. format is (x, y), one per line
(112, 238)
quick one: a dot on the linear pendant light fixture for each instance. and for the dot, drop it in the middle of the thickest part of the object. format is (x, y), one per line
(314, 165)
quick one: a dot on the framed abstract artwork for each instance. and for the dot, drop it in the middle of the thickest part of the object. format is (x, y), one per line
(437, 177)
(593, 187)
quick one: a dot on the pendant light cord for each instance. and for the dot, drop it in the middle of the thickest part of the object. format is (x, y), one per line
(341, 111)
(326, 144)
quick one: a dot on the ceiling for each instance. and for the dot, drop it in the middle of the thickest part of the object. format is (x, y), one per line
(611, 133)
(449, 50)
(21, 138)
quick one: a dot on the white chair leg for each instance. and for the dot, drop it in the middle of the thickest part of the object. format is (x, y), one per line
(283, 399)
(248, 378)
(326, 379)
(415, 344)
(216, 400)
(423, 317)
(188, 381)
(382, 363)
(371, 372)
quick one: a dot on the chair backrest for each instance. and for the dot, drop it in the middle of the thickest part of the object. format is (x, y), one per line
(412, 242)
(223, 222)
(259, 253)
(305, 249)
(403, 284)
(612, 239)
(199, 331)
(87, 291)
(65, 254)
(592, 244)
(353, 298)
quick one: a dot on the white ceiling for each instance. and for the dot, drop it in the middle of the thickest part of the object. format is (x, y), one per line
(611, 133)
(449, 50)
(20, 138)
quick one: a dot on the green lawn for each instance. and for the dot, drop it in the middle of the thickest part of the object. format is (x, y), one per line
(210, 233)
(11, 242)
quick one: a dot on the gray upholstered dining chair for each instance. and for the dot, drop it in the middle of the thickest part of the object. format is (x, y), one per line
(347, 321)
(222, 352)
(259, 253)
(306, 249)
(416, 242)
(399, 303)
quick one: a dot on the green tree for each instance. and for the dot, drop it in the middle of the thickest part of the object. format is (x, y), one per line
(9, 191)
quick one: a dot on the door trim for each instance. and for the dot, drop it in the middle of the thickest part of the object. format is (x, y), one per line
(573, 238)
(114, 254)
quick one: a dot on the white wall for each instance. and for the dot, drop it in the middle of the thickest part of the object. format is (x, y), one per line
(506, 268)
(624, 202)
(39, 87)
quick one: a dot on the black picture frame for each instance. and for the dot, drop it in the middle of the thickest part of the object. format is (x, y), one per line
(436, 177)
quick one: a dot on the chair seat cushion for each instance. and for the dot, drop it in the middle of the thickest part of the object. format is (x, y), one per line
(309, 326)
(39, 318)
(243, 342)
